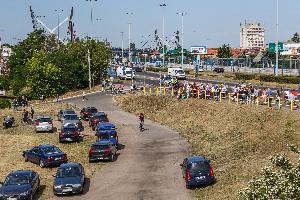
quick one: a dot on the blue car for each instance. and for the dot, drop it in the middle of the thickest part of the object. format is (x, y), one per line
(107, 132)
(105, 126)
(69, 179)
(197, 171)
(45, 155)
(20, 185)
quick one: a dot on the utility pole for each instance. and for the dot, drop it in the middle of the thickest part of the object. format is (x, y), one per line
(163, 5)
(90, 73)
(182, 14)
(277, 39)
(58, 12)
(122, 33)
(129, 35)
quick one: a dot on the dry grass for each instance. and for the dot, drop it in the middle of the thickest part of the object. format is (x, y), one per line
(237, 138)
(13, 141)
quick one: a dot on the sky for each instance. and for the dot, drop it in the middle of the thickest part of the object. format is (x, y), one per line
(206, 22)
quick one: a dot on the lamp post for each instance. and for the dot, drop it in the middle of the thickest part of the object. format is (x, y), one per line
(58, 12)
(182, 14)
(99, 20)
(91, 16)
(277, 39)
(122, 33)
(163, 5)
(129, 35)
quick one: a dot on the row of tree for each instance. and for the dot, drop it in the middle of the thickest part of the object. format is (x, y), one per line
(39, 66)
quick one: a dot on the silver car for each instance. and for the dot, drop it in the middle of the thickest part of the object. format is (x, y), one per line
(63, 112)
(69, 119)
(43, 124)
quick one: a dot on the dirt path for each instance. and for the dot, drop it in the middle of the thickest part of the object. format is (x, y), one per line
(148, 165)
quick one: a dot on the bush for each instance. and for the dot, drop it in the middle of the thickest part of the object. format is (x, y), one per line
(4, 103)
(157, 69)
(278, 182)
(241, 76)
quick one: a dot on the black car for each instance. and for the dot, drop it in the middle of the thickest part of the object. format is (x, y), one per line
(87, 112)
(219, 70)
(138, 68)
(69, 179)
(69, 133)
(98, 117)
(102, 150)
(197, 171)
(20, 185)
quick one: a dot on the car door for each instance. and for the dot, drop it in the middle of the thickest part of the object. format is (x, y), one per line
(82, 174)
(183, 167)
(34, 182)
(36, 155)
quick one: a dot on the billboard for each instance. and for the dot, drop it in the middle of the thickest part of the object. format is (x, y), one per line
(198, 50)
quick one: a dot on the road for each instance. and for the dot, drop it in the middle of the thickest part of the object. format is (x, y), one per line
(148, 165)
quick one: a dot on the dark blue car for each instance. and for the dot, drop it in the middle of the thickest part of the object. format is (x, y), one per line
(105, 126)
(20, 185)
(69, 179)
(197, 171)
(45, 155)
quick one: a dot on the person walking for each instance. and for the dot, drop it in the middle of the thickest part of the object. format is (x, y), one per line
(14, 104)
(31, 112)
(83, 96)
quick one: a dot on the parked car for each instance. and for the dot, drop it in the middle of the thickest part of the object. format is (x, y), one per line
(197, 171)
(102, 150)
(105, 126)
(65, 112)
(138, 68)
(108, 133)
(69, 119)
(43, 123)
(69, 179)
(98, 117)
(45, 155)
(69, 133)
(219, 70)
(87, 112)
(20, 185)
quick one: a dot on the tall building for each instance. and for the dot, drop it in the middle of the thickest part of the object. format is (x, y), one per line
(252, 36)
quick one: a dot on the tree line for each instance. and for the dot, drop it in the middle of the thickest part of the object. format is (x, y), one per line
(39, 66)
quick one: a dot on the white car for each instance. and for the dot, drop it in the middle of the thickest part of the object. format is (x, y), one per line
(43, 124)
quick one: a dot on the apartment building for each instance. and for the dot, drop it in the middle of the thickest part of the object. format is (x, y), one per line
(252, 36)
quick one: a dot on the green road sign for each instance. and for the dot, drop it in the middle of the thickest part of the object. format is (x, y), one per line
(272, 47)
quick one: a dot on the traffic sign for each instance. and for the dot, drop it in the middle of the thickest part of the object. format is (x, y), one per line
(197, 50)
(272, 47)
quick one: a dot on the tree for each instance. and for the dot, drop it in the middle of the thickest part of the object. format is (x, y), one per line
(281, 181)
(296, 38)
(43, 77)
(224, 51)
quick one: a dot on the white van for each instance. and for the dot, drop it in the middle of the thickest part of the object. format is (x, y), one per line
(176, 72)
(125, 73)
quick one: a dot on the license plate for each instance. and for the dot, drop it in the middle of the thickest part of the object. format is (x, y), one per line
(57, 158)
(68, 139)
(200, 178)
(67, 190)
(10, 198)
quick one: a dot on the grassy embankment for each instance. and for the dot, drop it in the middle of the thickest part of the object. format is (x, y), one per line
(14, 140)
(238, 139)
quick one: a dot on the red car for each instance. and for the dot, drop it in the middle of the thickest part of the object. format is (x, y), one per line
(96, 118)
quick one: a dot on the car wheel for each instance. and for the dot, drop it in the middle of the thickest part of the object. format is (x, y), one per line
(42, 164)
(187, 186)
(30, 197)
(25, 158)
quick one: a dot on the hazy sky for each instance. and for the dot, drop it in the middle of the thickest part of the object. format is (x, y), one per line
(207, 22)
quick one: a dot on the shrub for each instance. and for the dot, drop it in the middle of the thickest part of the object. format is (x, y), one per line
(278, 182)
(157, 69)
(241, 76)
(4, 103)
(268, 78)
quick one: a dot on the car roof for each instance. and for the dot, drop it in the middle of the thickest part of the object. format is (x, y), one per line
(21, 172)
(107, 125)
(68, 125)
(103, 142)
(69, 164)
(197, 159)
(99, 113)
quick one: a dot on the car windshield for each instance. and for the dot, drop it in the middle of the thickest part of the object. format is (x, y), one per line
(100, 147)
(69, 129)
(17, 179)
(199, 167)
(129, 72)
(71, 117)
(107, 135)
(92, 110)
(44, 120)
(68, 172)
(179, 71)
(51, 150)
(67, 112)
(100, 117)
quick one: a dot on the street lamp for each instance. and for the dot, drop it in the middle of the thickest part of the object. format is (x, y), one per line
(163, 5)
(129, 35)
(122, 33)
(58, 12)
(277, 39)
(91, 1)
(182, 14)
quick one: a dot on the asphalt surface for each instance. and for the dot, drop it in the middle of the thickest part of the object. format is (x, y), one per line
(148, 163)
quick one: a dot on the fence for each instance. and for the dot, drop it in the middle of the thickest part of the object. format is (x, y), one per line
(271, 102)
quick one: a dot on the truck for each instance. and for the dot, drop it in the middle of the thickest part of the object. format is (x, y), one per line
(176, 72)
(125, 73)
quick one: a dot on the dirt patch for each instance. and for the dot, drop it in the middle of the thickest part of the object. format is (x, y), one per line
(14, 140)
(237, 138)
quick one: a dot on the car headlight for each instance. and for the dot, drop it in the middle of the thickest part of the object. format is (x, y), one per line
(25, 193)
(57, 186)
(76, 185)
